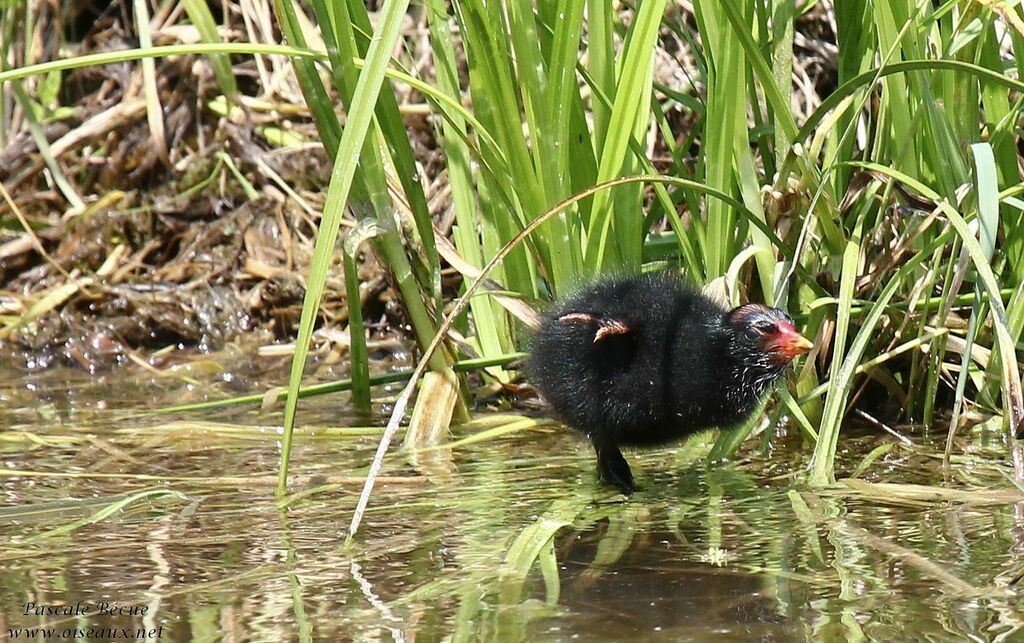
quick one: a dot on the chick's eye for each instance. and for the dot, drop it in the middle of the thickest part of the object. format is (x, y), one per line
(759, 329)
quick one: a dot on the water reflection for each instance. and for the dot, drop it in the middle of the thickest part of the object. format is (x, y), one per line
(518, 542)
(655, 589)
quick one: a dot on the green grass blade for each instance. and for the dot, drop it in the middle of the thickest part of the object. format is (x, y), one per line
(823, 459)
(358, 354)
(106, 512)
(313, 90)
(634, 81)
(841, 371)
(857, 83)
(393, 132)
(1012, 397)
(490, 322)
(370, 80)
(199, 13)
(59, 178)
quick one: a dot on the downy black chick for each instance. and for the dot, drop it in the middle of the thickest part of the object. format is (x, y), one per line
(644, 360)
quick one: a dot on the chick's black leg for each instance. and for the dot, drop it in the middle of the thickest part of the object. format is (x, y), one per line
(613, 468)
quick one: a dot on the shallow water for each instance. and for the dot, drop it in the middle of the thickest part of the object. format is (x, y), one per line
(175, 520)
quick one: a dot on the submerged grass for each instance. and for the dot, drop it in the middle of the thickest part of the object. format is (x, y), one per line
(519, 542)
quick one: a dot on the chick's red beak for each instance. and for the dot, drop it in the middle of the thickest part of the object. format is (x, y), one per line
(787, 343)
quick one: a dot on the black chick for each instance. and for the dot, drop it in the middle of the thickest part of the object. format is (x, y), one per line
(644, 360)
